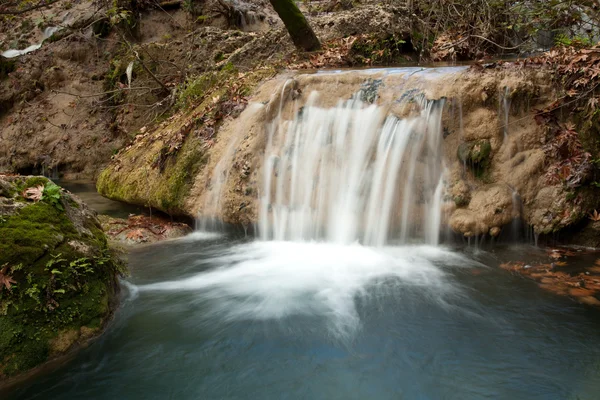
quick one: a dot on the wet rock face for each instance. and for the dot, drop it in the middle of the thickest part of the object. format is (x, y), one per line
(555, 208)
(588, 236)
(475, 154)
(492, 155)
(490, 208)
(58, 279)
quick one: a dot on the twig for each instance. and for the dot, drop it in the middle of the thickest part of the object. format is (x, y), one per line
(495, 44)
(137, 56)
(23, 11)
(83, 96)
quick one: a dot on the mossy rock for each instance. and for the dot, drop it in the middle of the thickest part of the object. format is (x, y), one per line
(58, 278)
(159, 168)
(461, 200)
(476, 155)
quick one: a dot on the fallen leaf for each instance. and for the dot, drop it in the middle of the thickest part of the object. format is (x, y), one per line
(34, 193)
(5, 280)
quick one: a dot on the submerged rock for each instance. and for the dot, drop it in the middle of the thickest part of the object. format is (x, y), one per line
(580, 282)
(58, 278)
(139, 229)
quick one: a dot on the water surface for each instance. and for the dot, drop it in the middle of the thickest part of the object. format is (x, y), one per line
(224, 318)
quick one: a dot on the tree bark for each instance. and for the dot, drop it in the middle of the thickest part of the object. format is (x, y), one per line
(297, 26)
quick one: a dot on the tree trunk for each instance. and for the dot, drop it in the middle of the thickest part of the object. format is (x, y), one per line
(302, 34)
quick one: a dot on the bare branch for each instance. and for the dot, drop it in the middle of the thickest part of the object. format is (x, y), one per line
(25, 10)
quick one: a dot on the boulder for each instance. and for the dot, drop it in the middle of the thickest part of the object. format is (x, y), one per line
(58, 278)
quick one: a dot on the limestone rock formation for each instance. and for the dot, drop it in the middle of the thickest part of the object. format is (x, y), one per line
(490, 208)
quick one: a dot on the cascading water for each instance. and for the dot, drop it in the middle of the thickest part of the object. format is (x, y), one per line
(48, 32)
(351, 173)
(210, 221)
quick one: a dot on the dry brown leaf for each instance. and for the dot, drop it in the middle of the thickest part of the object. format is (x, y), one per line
(34, 193)
(594, 216)
(560, 264)
(5, 280)
(135, 234)
(555, 255)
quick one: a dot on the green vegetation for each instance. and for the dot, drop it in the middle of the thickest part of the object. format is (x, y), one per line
(476, 155)
(577, 41)
(51, 194)
(158, 171)
(195, 88)
(56, 275)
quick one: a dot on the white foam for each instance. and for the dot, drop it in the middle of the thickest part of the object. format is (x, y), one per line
(197, 236)
(132, 289)
(269, 280)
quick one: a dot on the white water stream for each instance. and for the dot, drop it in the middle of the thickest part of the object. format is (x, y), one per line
(48, 32)
(352, 174)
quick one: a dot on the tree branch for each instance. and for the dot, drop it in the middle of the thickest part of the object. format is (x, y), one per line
(23, 11)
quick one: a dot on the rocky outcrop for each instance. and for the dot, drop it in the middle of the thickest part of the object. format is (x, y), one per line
(58, 279)
(490, 208)
(159, 168)
(497, 158)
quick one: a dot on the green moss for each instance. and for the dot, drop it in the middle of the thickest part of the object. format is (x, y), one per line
(476, 155)
(57, 287)
(20, 346)
(195, 88)
(155, 175)
(36, 181)
(461, 201)
(180, 177)
(27, 235)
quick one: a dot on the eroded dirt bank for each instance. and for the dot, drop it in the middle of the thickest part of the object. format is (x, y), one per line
(67, 107)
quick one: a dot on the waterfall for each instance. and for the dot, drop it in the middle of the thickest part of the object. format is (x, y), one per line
(354, 173)
(210, 220)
